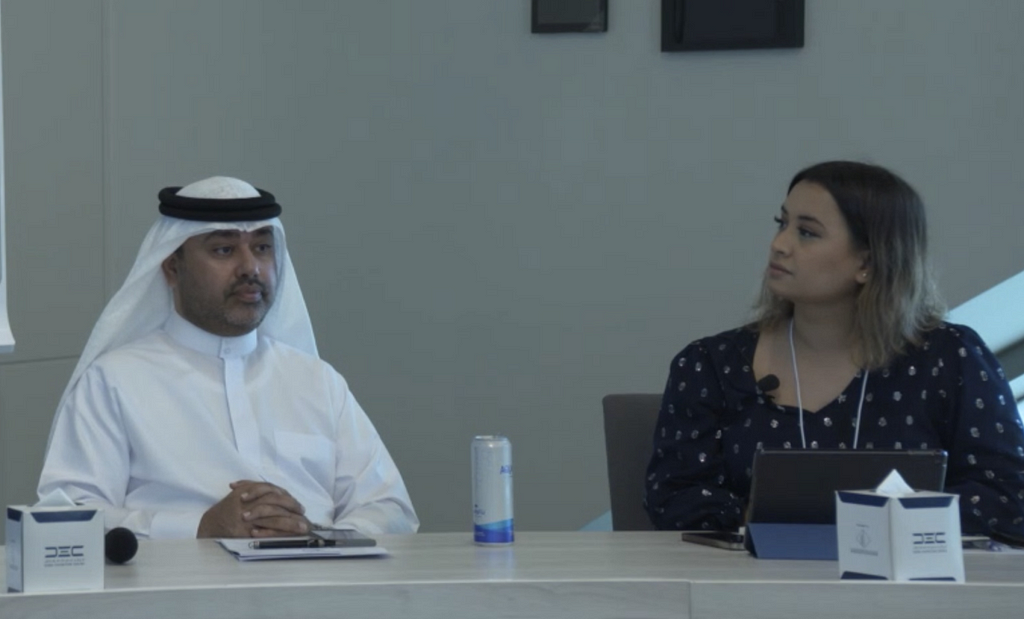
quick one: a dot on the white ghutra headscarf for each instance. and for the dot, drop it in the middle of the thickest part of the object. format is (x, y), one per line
(144, 302)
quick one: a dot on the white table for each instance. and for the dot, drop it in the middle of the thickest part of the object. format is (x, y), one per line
(586, 575)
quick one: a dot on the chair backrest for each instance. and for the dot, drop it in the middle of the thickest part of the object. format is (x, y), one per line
(629, 420)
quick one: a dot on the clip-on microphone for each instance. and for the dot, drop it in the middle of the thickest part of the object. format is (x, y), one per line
(768, 383)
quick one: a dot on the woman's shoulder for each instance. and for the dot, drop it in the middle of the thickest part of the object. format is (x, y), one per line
(738, 340)
(949, 345)
(953, 337)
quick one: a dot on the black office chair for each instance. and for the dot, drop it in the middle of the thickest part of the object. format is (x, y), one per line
(629, 420)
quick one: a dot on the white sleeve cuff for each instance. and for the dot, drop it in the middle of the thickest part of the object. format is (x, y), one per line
(175, 525)
(404, 523)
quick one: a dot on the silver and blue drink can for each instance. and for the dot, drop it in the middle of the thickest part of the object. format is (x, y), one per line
(492, 490)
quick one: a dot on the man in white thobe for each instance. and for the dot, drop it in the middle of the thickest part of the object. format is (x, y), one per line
(200, 407)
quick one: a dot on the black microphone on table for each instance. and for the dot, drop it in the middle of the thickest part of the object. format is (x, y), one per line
(768, 383)
(120, 545)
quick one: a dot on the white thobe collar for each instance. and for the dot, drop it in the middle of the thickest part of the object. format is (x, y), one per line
(190, 336)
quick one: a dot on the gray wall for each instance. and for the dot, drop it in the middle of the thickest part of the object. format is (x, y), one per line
(493, 229)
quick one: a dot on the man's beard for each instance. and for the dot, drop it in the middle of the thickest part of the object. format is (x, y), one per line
(227, 316)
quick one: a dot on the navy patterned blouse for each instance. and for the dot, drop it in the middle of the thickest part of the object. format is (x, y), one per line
(950, 393)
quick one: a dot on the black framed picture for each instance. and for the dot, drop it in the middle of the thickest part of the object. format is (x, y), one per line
(693, 25)
(569, 16)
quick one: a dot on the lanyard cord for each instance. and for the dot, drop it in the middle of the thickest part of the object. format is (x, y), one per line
(800, 403)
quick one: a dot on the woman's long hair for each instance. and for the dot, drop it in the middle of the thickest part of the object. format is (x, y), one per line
(886, 217)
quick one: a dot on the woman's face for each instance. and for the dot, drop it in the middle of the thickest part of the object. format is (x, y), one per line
(813, 259)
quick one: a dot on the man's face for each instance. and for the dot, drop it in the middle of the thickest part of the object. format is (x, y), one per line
(224, 281)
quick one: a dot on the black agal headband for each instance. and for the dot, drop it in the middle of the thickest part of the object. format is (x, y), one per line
(210, 209)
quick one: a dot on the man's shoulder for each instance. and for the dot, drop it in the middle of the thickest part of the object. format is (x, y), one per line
(146, 349)
(294, 358)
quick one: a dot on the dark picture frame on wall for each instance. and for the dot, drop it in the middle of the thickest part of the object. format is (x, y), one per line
(548, 16)
(696, 25)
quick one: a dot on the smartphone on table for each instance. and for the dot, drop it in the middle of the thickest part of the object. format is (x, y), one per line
(729, 540)
(338, 537)
(318, 538)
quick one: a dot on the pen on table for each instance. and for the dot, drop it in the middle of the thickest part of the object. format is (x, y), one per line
(286, 543)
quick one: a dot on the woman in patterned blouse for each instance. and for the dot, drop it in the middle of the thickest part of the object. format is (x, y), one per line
(850, 323)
